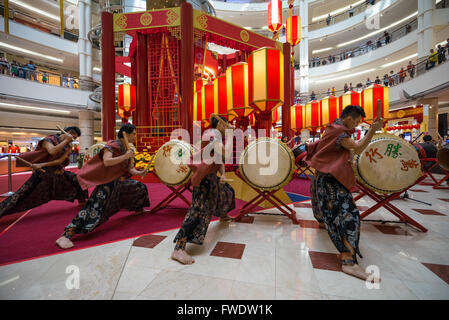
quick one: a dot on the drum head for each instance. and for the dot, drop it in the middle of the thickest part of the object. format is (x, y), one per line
(92, 151)
(267, 164)
(388, 164)
(170, 162)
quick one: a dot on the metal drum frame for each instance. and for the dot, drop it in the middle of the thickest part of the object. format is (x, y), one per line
(267, 193)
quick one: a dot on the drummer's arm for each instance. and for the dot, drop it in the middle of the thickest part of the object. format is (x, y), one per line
(109, 160)
(358, 147)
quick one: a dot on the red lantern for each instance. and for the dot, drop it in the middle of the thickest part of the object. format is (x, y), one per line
(266, 83)
(126, 101)
(197, 100)
(349, 98)
(276, 116)
(207, 102)
(220, 96)
(237, 91)
(329, 110)
(312, 115)
(369, 101)
(297, 114)
(293, 26)
(275, 15)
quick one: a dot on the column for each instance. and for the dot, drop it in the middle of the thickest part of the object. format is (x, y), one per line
(432, 127)
(86, 125)
(6, 16)
(426, 34)
(107, 77)
(289, 92)
(84, 45)
(187, 65)
(304, 48)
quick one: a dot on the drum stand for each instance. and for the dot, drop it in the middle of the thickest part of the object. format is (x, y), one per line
(175, 193)
(405, 196)
(302, 170)
(436, 184)
(384, 201)
(262, 196)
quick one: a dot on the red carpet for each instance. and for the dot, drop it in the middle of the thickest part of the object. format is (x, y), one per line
(33, 234)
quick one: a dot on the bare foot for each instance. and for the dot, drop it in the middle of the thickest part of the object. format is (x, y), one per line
(357, 271)
(64, 243)
(182, 257)
(138, 213)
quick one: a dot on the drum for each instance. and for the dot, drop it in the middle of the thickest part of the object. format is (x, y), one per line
(170, 162)
(92, 151)
(443, 158)
(267, 164)
(387, 165)
(298, 150)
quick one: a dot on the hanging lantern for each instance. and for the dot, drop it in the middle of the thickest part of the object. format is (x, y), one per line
(297, 114)
(207, 102)
(369, 101)
(237, 91)
(329, 110)
(293, 26)
(197, 100)
(275, 15)
(349, 98)
(312, 115)
(126, 101)
(266, 83)
(220, 96)
(276, 116)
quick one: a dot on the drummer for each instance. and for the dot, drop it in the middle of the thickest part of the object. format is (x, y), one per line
(332, 202)
(110, 172)
(211, 196)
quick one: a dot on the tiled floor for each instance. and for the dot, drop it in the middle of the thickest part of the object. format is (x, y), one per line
(260, 257)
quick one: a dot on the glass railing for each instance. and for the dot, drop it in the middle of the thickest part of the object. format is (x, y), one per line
(389, 80)
(36, 23)
(370, 45)
(52, 78)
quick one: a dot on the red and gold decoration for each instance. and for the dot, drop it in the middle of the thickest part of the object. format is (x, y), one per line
(144, 20)
(329, 110)
(220, 96)
(312, 115)
(297, 113)
(349, 98)
(276, 116)
(293, 26)
(237, 93)
(126, 101)
(275, 17)
(369, 101)
(207, 102)
(266, 83)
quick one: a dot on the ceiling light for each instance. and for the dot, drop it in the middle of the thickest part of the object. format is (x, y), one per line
(24, 108)
(378, 31)
(8, 46)
(400, 60)
(321, 50)
(34, 9)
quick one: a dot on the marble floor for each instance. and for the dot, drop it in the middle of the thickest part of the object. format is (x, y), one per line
(264, 256)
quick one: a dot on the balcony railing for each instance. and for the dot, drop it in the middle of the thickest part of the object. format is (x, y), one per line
(52, 78)
(326, 22)
(389, 80)
(370, 45)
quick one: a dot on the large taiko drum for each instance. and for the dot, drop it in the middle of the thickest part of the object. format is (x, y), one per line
(300, 150)
(388, 164)
(267, 164)
(170, 163)
(443, 158)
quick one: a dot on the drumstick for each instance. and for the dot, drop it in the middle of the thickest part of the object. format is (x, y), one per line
(147, 169)
(28, 163)
(63, 131)
(379, 109)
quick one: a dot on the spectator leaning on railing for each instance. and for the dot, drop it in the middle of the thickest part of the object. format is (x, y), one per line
(432, 60)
